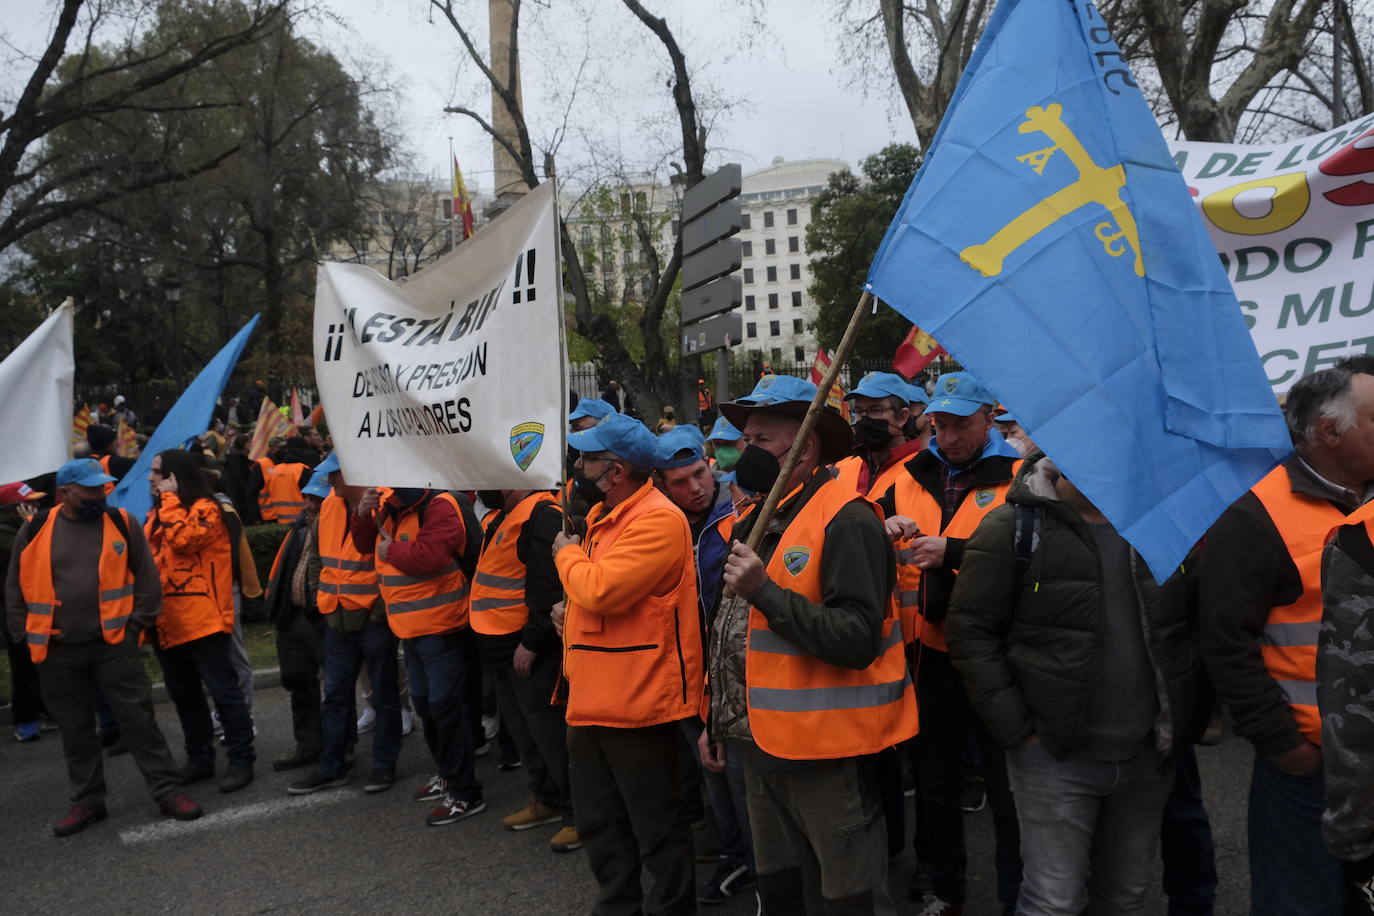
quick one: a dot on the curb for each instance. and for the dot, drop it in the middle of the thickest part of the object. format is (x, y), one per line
(262, 679)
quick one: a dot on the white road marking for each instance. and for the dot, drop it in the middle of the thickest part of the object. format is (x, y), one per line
(165, 830)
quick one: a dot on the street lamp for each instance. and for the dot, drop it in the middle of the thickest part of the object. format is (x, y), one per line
(171, 290)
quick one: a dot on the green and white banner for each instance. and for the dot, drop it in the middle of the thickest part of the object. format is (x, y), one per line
(1294, 224)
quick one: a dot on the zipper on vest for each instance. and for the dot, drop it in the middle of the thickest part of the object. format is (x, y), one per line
(614, 649)
(677, 641)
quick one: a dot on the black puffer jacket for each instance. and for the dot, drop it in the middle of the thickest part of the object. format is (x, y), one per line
(1029, 650)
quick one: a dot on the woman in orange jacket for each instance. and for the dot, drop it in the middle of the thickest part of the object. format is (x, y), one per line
(194, 556)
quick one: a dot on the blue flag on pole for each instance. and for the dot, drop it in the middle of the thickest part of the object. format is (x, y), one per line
(1049, 243)
(189, 417)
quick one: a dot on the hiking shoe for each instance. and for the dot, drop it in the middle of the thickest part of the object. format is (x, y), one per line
(191, 773)
(533, 816)
(236, 778)
(25, 732)
(78, 819)
(938, 906)
(379, 780)
(565, 840)
(180, 807)
(452, 809)
(432, 790)
(315, 782)
(974, 796)
(731, 876)
(367, 721)
(294, 761)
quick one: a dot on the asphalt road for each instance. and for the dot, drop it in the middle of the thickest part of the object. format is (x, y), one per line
(341, 851)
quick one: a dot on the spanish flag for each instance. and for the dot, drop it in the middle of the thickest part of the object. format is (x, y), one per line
(916, 351)
(270, 424)
(462, 205)
(836, 396)
(80, 423)
(126, 443)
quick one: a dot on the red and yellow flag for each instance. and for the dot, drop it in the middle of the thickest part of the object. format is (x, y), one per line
(270, 425)
(836, 396)
(126, 443)
(297, 416)
(462, 205)
(916, 351)
(80, 423)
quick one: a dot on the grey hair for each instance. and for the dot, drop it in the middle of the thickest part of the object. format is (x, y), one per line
(1322, 395)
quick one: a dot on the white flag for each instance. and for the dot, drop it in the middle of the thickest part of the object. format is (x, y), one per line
(36, 411)
(454, 380)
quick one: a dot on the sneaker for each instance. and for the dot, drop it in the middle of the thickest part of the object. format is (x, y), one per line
(25, 732)
(236, 778)
(452, 809)
(367, 721)
(490, 726)
(731, 876)
(191, 773)
(565, 840)
(508, 765)
(909, 783)
(534, 816)
(78, 819)
(974, 796)
(294, 761)
(936, 906)
(180, 807)
(315, 782)
(432, 790)
(379, 780)
(407, 721)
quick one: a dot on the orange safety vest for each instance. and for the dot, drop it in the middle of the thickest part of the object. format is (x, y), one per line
(1289, 640)
(197, 584)
(847, 470)
(422, 605)
(801, 708)
(916, 503)
(703, 400)
(116, 585)
(498, 586)
(105, 465)
(642, 665)
(284, 490)
(348, 579)
(265, 508)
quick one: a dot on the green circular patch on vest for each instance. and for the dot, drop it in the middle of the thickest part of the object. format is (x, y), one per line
(795, 559)
(982, 498)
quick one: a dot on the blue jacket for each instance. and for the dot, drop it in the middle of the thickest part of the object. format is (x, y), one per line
(711, 550)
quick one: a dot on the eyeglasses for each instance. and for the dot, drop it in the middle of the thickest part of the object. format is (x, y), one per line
(871, 411)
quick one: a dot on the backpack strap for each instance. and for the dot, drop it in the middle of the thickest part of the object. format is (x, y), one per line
(1030, 521)
(120, 522)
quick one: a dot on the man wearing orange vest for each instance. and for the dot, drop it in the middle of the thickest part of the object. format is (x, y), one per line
(82, 589)
(880, 404)
(420, 539)
(259, 475)
(514, 591)
(284, 482)
(356, 635)
(808, 678)
(632, 658)
(1260, 613)
(932, 507)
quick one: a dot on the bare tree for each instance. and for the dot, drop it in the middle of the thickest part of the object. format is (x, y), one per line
(652, 379)
(97, 81)
(405, 228)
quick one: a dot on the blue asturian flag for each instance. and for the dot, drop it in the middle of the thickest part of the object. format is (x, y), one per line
(1049, 243)
(189, 417)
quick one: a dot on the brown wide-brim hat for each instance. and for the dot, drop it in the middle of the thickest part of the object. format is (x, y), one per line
(791, 397)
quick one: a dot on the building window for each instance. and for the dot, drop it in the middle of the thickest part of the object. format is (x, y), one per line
(748, 249)
(772, 300)
(791, 217)
(768, 219)
(776, 354)
(646, 287)
(793, 244)
(794, 271)
(625, 233)
(796, 325)
(769, 247)
(772, 275)
(642, 201)
(799, 354)
(629, 258)
(796, 298)
(605, 234)
(744, 221)
(774, 328)
(748, 303)
(748, 275)
(751, 329)
(586, 235)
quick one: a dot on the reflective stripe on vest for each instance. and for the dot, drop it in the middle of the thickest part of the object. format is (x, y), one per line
(348, 579)
(498, 587)
(916, 503)
(283, 486)
(265, 494)
(1288, 642)
(802, 708)
(423, 605)
(115, 585)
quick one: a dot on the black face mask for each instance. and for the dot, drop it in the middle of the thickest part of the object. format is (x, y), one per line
(494, 500)
(90, 509)
(873, 433)
(587, 489)
(757, 469)
(407, 496)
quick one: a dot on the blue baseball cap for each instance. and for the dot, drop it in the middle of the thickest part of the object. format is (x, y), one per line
(791, 397)
(679, 447)
(961, 394)
(622, 436)
(1007, 417)
(318, 485)
(591, 407)
(881, 385)
(725, 431)
(917, 394)
(328, 465)
(83, 472)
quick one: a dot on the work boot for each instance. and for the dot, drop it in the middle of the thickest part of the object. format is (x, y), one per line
(565, 840)
(533, 816)
(315, 782)
(236, 778)
(78, 819)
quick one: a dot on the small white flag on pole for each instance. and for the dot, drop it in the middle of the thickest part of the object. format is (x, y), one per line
(36, 411)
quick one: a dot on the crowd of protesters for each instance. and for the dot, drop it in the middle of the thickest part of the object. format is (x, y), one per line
(934, 618)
